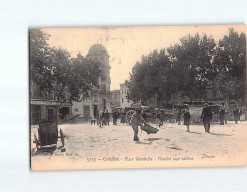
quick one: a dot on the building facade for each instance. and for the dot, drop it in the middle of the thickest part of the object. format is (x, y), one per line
(99, 99)
(115, 99)
(209, 94)
(45, 107)
(123, 93)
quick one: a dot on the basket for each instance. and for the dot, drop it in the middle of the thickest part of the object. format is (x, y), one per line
(149, 129)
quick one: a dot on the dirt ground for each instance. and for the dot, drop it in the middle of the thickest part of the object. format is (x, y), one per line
(90, 147)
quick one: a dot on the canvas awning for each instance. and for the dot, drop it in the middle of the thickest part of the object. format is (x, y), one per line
(44, 102)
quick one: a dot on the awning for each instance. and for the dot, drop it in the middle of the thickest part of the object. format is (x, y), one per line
(45, 102)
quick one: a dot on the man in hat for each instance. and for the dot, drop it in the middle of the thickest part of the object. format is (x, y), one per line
(236, 115)
(114, 117)
(107, 117)
(137, 120)
(206, 117)
(187, 118)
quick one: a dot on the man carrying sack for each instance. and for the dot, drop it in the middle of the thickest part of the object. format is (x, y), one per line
(137, 120)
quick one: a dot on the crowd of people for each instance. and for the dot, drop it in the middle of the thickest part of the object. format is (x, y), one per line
(139, 118)
(207, 116)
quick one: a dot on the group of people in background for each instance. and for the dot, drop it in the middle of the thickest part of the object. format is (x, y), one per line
(140, 118)
(207, 115)
(223, 115)
(102, 119)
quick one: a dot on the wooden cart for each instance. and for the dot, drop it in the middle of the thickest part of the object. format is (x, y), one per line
(48, 135)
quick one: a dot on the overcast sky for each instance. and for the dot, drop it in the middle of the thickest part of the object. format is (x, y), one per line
(126, 45)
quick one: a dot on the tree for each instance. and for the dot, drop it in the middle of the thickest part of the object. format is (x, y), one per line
(57, 74)
(192, 62)
(148, 78)
(85, 75)
(230, 66)
(39, 54)
(61, 74)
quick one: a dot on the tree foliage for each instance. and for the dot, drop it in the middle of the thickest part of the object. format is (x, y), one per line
(56, 73)
(189, 67)
(230, 65)
(148, 77)
(191, 59)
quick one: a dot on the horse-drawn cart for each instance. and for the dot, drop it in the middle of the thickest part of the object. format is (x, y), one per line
(131, 110)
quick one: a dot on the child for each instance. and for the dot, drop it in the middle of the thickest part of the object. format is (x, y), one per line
(187, 119)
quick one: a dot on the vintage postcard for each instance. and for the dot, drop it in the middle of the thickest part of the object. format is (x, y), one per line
(137, 97)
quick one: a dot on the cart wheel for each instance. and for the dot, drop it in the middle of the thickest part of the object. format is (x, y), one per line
(36, 141)
(129, 115)
(62, 137)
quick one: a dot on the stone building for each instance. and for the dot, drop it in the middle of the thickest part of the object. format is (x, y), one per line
(123, 93)
(99, 99)
(45, 107)
(115, 99)
(209, 94)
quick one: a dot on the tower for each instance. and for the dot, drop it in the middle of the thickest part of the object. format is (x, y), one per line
(98, 52)
(101, 98)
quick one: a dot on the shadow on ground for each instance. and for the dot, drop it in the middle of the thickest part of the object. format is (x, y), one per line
(194, 132)
(45, 151)
(152, 139)
(220, 134)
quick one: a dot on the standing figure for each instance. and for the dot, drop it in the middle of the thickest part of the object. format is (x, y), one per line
(236, 115)
(100, 120)
(103, 118)
(226, 112)
(158, 119)
(114, 117)
(122, 117)
(179, 114)
(107, 117)
(137, 120)
(222, 115)
(239, 114)
(187, 119)
(206, 117)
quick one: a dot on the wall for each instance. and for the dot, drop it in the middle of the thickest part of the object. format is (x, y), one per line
(123, 94)
(79, 107)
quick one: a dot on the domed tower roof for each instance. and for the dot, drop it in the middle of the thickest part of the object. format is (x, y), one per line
(97, 49)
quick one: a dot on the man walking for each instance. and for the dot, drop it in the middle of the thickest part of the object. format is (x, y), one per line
(187, 119)
(206, 117)
(137, 120)
(236, 115)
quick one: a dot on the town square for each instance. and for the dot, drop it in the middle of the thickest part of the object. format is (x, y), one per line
(119, 100)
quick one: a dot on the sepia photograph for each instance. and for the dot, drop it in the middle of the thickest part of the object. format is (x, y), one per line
(137, 97)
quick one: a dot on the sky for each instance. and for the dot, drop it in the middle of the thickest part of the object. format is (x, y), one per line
(126, 45)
